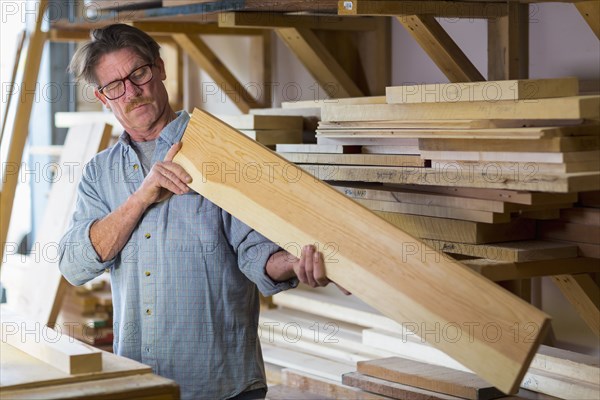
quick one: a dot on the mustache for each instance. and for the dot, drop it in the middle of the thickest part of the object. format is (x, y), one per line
(139, 101)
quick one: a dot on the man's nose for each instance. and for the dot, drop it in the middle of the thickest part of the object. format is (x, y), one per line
(131, 89)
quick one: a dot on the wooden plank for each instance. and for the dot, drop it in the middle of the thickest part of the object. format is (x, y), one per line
(435, 211)
(568, 364)
(561, 230)
(458, 230)
(47, 345)
(386, 193)
(250, 121)
(440, 47)
(519, 251)
(429, 377)
(511, 196)
(581, 215)
(209, 61)
(519, 157)
(559, 386)
(273, 20)
(487, 91)
(380, 149)
(319, 62)
(559, 183)
(576, 107)
(590, 11)
(354, 159)
(40, 299)
(316, 148)
(503, 271)
(559, 144)
(322, 102)
(310, 116)
(205, 27)
(20, 127)
(465, 9)
(72, 119)
(145, 386)
(325, 387)
(282, 392)
(203, 144)
(457, 133)
(391, 389)
(583, 294)
(273, 136)
(508, 43)
(20, 42)
(520, 168)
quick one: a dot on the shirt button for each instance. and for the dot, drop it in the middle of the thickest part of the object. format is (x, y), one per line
(136, 167)
(147, 273)
(148, 311)
(147, 236)
(147, 349)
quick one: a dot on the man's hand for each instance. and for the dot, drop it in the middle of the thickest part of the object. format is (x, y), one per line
(309, 268)
(164, 179)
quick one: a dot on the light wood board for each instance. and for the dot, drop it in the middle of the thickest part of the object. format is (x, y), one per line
(280, 210)
(496, 270)
(49, 346)
(325, 387)
(315, 148)
(512, 156)
(558, 144)
(250, 121)
(429, 377)
(576, 107)
(525, 89)
(274, 136)
(355, 159)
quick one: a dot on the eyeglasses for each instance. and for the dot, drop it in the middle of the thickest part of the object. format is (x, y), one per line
(139, 76)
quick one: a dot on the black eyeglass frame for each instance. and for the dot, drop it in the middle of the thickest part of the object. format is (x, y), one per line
(128, 77)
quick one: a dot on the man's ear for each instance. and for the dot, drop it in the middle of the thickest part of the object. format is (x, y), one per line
(160, 64)
(101, 98)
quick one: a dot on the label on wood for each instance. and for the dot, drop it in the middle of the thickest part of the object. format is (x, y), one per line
(430, 377)
(431, 292)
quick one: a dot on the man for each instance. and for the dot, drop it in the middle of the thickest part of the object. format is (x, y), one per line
(184, 273)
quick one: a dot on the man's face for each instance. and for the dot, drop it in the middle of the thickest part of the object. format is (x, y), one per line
(141, 106)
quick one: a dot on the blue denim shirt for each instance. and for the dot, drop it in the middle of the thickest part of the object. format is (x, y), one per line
(184, 286)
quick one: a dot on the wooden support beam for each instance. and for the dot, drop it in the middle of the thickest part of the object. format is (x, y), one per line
(440, 47)
(583, 294)
(52, 347)
(166, 27)
(503, 271)
(454, 9)
(590, 11)
(206, 59)
(20, 128)
(275, 20)
(265, 66)
(326, 70)
(508, 43)
(13, 79)
(366, 266)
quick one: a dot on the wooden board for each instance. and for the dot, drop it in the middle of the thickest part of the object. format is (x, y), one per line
(385, 193)
(409, 145)
(524, 168)
(560, 386)
(250, 121)
(388, 149)
(448, 132)
(429, 377)
(282, 392)
(47, 345)
(274, 136)
(454, 230)
(512, 156)
(459, 124)
(502, 271)
(581, 215)
(435, 211)
(40, 299)
(279, 210)
(525, 89)
(560, 230)
(519, 251)
(582, 292)
(576, 107)
(559, 183)
(392, 389)
(558, 144)
(325, 387)
(315, 148)
(355, 159)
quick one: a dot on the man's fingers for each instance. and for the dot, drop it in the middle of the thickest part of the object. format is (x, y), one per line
(172, 151)
(178, 171)
(301, 272)
(309, 265)
(169, 180)
(319, 269)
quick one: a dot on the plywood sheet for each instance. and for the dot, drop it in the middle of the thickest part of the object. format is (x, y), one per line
(281, 210)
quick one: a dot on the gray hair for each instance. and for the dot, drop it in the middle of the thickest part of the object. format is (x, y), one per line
(106, 40)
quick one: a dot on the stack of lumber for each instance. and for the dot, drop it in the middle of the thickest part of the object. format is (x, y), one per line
(86, 314)
(476, 170)
(268, 130)
(317, 340)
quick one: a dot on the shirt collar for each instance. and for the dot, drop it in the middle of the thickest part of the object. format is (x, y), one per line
(171, 133)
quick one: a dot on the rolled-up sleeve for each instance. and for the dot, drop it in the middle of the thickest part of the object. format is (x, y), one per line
(253, 251)
(79, 261)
